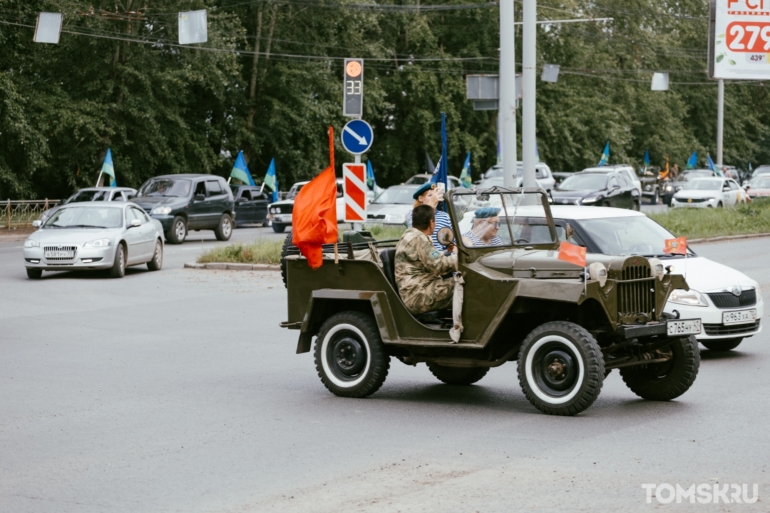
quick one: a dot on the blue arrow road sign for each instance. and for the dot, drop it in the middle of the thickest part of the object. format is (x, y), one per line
(357, 136)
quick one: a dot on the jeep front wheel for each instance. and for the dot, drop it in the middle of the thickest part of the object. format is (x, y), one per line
(667, 380)
(457, 375)
(349, 355)
(561, 368)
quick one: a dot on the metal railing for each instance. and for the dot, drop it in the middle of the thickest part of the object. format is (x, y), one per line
(23, 212)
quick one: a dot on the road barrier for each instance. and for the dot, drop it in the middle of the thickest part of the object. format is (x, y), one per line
(23, 212)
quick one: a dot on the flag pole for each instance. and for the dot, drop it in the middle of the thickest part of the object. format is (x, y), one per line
(262, 188)
(229, 178)
(98, 179)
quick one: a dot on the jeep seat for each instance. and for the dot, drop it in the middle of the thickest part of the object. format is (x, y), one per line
(388, 257)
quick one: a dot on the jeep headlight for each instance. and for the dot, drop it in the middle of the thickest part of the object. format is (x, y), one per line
(657, 268)
(31, 243)
(161, 210)
(688, 297)
(598, 272)
(98, 243)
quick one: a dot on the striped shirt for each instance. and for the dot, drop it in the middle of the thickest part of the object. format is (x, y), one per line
(442, 221)
(496, 241)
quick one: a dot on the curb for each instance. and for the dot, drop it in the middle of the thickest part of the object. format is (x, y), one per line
(233, 267)
(729, 238)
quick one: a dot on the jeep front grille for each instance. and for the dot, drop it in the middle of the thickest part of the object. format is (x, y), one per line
(636, 293)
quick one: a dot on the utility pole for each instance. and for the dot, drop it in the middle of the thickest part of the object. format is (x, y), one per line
(507, 92)
(720, 120)
(528, 77)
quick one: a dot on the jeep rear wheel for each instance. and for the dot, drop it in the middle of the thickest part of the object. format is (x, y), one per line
(285, 251)
(278, 227)
(667, 380)
(458, 375)
(561, 368)
(349, 355)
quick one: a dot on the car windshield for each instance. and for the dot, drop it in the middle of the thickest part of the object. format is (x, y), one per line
(173, 187)
(704, 185)
(691, 175)
(586, 182)
(417, 180)
(624, 236)
(496, 219)
(86, 217)
(89, 195)
(761, 183)
(397, 195)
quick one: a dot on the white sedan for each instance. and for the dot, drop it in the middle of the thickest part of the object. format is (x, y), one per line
(708, 193)
(94, 235)
(728, 302)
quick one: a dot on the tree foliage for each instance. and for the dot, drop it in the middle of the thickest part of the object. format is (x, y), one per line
(269, 81)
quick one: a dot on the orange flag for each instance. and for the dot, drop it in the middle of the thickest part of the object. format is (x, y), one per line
(676, 246)
(314, 217)
(572, 253)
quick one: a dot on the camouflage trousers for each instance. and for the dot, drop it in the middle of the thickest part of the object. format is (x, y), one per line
(436, 295)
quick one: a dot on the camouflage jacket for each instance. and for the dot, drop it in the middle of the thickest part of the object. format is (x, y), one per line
(419, 263)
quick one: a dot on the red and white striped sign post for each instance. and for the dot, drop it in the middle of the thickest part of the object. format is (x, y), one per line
(354, 186)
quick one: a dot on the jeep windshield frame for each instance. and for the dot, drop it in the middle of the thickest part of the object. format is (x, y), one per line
(513, 204)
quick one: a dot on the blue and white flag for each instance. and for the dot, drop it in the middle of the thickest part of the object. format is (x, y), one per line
(241, 171)
(465, 175)
(605, 155)
(710, 162)
(692, 162)
(271, 180)
(646, 158)
(440, 174)
(108, 169)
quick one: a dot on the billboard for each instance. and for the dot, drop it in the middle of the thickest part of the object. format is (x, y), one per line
(739, 39)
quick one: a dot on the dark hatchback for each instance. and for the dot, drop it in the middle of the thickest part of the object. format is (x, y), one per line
(611, 189)
(250, 204)
(188, 202)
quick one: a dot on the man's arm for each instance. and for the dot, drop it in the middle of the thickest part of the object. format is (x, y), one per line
(433, 259)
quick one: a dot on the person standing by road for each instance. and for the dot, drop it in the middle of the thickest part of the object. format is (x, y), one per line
(421, 269)
(429, 195)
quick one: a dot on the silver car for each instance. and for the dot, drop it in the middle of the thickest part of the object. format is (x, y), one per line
(94, 235)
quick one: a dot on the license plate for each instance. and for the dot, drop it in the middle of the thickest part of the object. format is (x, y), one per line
(687, 327)
(740, 317)
(59, 254)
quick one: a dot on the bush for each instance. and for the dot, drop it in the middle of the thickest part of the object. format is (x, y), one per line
(261, 251)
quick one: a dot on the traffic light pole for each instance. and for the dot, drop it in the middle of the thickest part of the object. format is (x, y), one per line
(507, 94)
(528, 121)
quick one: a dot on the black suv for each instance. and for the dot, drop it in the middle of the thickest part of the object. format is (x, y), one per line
(188, 202)
(598, 188)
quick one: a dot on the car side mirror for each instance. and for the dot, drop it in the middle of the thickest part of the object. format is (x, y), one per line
(615, 187)
(131, 196)
(200, 197)
(37, 223)
(725, 189)
(134, 223)
(240, 200)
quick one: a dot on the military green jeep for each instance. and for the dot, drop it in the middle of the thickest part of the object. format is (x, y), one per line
(567, 326)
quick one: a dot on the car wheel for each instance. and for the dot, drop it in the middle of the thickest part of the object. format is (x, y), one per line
(719, 205)
(725, 344)
(224, 229)
(605, 204)
(457, 375)
(157, 258)
(350, 356)
(655, 197)
(667, 380)
(636, 205)
(119, 265)
(178, 231)
(561, 368)
(278, 228)
(34, 274)
(285, 251)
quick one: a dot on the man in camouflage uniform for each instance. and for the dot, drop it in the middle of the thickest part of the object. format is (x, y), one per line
(420, 266)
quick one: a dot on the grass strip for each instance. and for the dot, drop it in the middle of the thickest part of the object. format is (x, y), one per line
(699, 223)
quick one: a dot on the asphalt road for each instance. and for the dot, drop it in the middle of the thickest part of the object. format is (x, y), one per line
(177, 391)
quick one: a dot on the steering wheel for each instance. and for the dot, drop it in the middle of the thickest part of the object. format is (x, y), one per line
(525, 241)
(642, 248)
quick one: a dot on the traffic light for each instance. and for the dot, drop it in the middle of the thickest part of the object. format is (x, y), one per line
(353, 103)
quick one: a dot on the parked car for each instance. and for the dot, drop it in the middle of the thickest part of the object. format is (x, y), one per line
(279, 213)
(250, 204)
(728, 302)
(602, 188)
(422, 178)
(189, 202)
(392, 205)
(94, 235)
(649, 177)
(93, 194)
(759, 187)
(681, 179)
(764, 169)
(543, 175)
(708, 193)
(625, 170)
